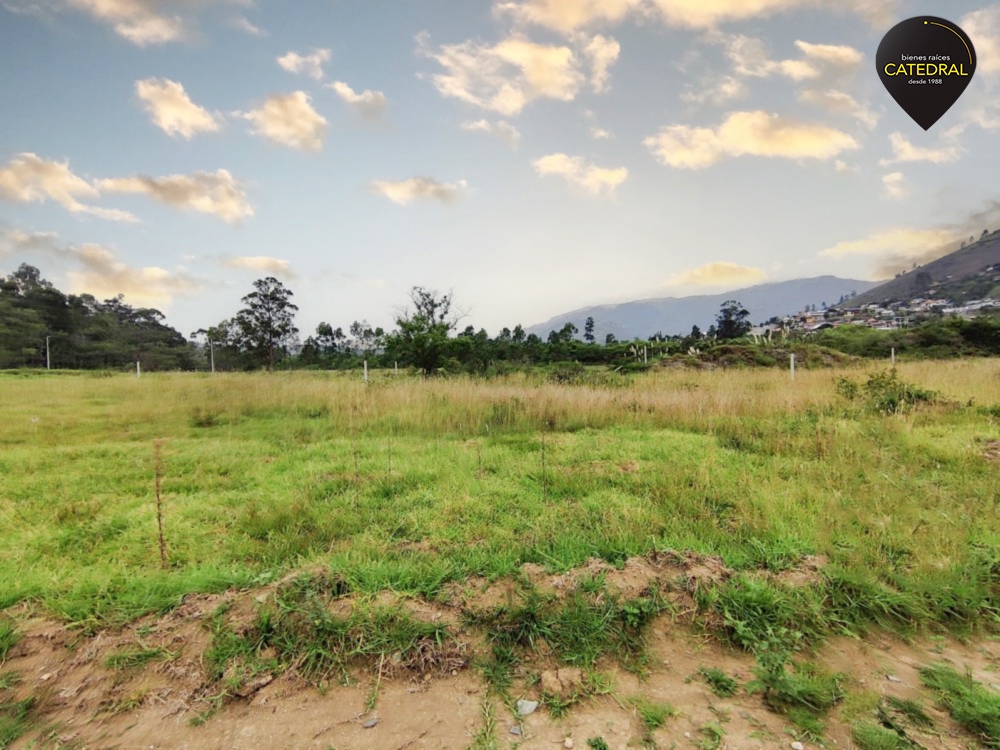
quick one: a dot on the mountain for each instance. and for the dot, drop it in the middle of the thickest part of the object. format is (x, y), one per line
(958, 276)
(676, 315)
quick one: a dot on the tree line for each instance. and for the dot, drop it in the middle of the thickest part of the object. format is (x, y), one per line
(40, 325)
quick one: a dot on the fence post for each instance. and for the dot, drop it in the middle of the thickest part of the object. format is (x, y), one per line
(138, 372)
(893, 356)
(366, 370)
(793, 367)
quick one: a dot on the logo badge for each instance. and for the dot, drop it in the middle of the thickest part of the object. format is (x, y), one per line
(926, 63)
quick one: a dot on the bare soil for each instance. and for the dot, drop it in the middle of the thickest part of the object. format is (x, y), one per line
(86, 704)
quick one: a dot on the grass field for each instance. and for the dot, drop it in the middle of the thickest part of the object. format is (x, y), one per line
(407, 484)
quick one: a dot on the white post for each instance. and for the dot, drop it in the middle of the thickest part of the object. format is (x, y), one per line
(366, 370)
(137, 371)
(396, 367)
(211, 353)
(893, 356)
(645, 355)
(793, 367)
(48, 359)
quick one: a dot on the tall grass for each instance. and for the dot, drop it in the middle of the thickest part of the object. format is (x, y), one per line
(264, 473)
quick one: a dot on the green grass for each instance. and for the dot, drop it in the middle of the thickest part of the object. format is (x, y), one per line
(266, 474)
(136, 657)
(721, 684)
(9, 637)
(870, 736)
(972, 704)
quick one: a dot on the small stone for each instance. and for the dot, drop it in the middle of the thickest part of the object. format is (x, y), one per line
(892, 678)
(260, 598)
(427, 677)
(526, 708)
(568, 743)
(515, 730)
(454, 673)
(687, 735)
(798, 746)
(370, 723)
(45, 677)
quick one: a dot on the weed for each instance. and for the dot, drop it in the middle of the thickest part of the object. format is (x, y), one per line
(15, 720)
(970, 703)
(9, 636)
(133, 658)
(597, 743)
(712, 736)
(721, 684)
(868, 735)
(911, 710)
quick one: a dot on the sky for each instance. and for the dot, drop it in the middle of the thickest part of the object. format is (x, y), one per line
(530, 156)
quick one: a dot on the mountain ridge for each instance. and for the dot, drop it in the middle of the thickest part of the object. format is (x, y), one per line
(676, 315)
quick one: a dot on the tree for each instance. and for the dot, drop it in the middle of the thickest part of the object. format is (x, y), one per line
(422, 336)
(733, 321)
(610, 339)
(588, 330)
(266, 326)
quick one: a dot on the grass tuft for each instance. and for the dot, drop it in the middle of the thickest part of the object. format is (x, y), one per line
(970, 703)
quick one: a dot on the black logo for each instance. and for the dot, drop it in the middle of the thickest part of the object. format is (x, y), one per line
(926, 63)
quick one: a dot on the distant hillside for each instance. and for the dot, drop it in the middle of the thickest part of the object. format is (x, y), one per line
(955, 276)
(676, 315)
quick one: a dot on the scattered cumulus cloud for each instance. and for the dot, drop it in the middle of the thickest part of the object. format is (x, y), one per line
(216, 194)
(369, 104)
(506, 76)
(97, 270)
(600, 134)
(895, 186)
(567, 15)
(143, 22)
(289, 119)
(898, 241)
(603, 53)
(419, 188)
(721, 274)
(311, 64)
(756, 133)
(983, 28)
(501, 129)
(172, 110)
(27, 178)
(590, 178)
(904, 151)
(716, 90)
(244, 24)
(260, 264)
(840, 103)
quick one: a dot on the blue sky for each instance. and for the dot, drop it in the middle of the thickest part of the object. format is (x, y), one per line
(533, 156)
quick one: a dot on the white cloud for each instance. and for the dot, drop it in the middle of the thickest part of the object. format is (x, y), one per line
(502, 130)
(839, 102)
(603, 53)
(172, 110)
(419, 188)
(243, 24)
(835, 55)
(215, 194)
(101, 273)
(311, 65)
(592, 179)
(842, 166)
(567, 15)
(750, 57)
(755, 133)
(145, 22)
(505, 77)
(29, 178)
(719, 274)
(600, 134)
(904, 151)
(895, 186)
(716, 91)
(983, 28)
(260, 264)
(369, 104)
(899, 241)
(290, 120)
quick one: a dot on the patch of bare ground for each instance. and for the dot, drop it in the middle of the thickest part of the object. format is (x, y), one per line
(432, 700)
(992, 451)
